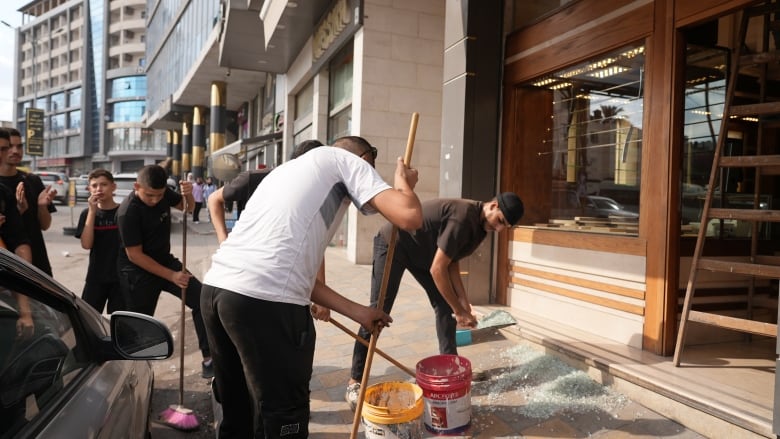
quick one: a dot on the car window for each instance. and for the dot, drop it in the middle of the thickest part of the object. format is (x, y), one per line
(35, 367)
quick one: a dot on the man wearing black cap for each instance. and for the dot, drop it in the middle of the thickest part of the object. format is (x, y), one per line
(452, 229)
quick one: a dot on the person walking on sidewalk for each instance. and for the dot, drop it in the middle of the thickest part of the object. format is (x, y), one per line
(99, 233)
(452, 229)
(197, 195)
(146, 265)
(257, 293)
(208, 188)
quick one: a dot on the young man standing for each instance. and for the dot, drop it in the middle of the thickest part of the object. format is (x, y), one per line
(99, 233)
(33, 199)
(256, 295)
(146, 265)
(452, 229)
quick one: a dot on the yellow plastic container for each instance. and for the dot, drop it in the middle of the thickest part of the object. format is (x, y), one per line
(393, 410)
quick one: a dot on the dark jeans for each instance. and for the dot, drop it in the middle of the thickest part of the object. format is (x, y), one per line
(141, 290)
(196, 211)
(98, 293)
(263, 353)
(445, 323)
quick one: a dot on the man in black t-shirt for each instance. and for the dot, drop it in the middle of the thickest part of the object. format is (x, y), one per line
(146, 265)
(33, 199)
(452, 229)
(99, 233)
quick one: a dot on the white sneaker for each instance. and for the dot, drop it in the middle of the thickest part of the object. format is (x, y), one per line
(352, 394)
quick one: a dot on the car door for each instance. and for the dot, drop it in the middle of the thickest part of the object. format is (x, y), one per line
(53, 383)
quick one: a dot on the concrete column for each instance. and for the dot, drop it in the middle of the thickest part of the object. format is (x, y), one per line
(218, 116)
(169, 149)
(470, 120)
(186, 150)
(176, 168)
(198, 139)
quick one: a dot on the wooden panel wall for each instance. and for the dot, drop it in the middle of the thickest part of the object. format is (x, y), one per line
(583, 30)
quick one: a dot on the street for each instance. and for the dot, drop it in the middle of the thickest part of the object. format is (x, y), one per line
(69, 265)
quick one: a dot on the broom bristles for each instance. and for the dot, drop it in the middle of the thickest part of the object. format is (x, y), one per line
(179, 417)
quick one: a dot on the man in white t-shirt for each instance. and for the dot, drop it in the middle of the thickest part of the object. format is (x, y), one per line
(257, 293)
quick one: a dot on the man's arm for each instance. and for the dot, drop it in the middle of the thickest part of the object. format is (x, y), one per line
(368, 317)
(400, 205)
(446, 276)
(88, 232)
(216, 204)
(44, 199)
(144, 261)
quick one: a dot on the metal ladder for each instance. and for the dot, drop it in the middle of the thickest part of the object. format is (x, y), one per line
(765, 111)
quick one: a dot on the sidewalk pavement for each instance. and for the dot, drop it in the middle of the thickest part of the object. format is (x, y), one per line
(525, 393)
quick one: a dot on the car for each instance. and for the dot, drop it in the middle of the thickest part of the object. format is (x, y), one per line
(75, 373)
(124, 185)
(82, 187)
(604, 207)
(58, 181)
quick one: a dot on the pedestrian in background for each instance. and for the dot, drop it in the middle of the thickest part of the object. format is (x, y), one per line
(197, 195)
(98, 232)
(208, 188)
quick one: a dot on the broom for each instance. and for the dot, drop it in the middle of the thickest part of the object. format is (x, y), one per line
(382, 290)
(176, 415)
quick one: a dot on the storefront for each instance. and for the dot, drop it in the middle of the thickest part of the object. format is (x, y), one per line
(611, 113)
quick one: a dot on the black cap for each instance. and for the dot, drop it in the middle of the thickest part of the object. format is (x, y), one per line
(511, 206)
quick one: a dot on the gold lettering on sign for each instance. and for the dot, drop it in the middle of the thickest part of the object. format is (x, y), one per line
(331, 27)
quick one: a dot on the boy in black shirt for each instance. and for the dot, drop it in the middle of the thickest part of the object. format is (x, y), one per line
(99, 233)
(146, 265)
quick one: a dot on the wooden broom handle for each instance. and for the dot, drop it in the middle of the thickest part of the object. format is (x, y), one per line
(383, 288)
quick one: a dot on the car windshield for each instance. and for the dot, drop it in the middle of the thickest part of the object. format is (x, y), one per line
(606, 204)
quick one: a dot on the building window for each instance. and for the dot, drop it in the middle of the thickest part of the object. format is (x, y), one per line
(131, 86)
(592, 138)
(340, 95)
(304, 103)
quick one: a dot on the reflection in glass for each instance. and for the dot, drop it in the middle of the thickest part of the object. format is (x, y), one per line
(594, 137)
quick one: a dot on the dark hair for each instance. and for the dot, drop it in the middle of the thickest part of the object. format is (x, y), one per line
(304, 147)
(100, 172)
(354, 144)
(152, 176)
(4, 134)
(13, 132)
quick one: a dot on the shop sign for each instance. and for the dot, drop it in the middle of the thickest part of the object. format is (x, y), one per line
(34, 138)
(338, 24)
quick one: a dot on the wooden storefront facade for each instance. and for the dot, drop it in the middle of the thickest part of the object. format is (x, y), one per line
(621, 283)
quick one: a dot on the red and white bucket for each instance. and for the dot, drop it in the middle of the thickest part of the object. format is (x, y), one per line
(446, 384)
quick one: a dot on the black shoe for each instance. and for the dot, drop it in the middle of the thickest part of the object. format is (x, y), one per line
(207, 370)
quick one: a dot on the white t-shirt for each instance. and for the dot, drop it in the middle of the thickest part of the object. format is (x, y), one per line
(277, 245)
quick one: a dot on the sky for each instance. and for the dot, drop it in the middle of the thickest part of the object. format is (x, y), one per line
(8, 14)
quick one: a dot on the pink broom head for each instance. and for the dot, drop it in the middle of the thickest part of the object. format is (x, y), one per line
(179, 417)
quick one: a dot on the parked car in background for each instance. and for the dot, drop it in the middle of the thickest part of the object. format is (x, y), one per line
(74, 373)
(604, 207)
(82, 187)
(124, 185)
(58, 181)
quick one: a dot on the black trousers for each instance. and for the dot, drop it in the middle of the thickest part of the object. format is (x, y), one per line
(98, 293)
(445, 323)
(141, 290)
(263, 353)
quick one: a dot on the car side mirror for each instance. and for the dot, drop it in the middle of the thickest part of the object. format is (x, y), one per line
(136, 336)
